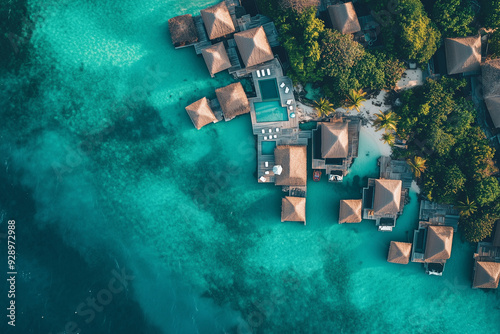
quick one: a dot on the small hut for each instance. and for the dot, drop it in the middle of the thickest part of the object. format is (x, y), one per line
(233, 100)
(334, 140)
(350, 211)
(399, 252)
(293, 209)
(182, 30)
(293, 160)
(487, 275)
(439, 242)
(463, 54)
(253, 46)
(200, 113)
(344, 18)
(217, 20)
(216, 58)
(387, 198)
(491, 89)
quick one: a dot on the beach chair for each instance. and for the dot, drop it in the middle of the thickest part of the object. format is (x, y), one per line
(263, 73)
(266, 172)
(263, 131)
(258, 74)
(275, 136)
(288, 102)
(277, 129)
(268, 72)
(265, 137)
(266, 163)
(290, 107)
(287, 90)
(282, 85)
(270, 130)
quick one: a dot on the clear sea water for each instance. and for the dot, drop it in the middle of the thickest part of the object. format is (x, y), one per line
(105, 173)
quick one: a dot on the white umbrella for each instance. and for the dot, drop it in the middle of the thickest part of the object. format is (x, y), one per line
(262, 179)
(277, 169)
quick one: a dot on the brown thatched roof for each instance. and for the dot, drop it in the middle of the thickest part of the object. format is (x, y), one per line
(463, 54)
(491, 89)
(233, 100)
(399, 252)
(439, 242)
(350, 211)
(217, 20)
(496, 237)
(200, 112)
(487, 275)
(387, 196)
(182, 30)
(293, 160)
(293, 209)
(253, 46)
(344, 18)
(215, 57)
(334, 140)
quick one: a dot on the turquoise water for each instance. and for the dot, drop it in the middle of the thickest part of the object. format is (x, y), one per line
(270, 111)
(269, 89)
(268, 147)
(104, 171)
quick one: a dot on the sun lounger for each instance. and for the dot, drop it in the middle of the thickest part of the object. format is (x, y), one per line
(277, 129)
(263, 73)
(258, 74)
(275, 136)
(266, 163)
(287, 90)
(289, 101)
(270, 130)
(265, 137)
(268, 72)
(290, 107)
(282, 85)
(266, 172)
(263, 131)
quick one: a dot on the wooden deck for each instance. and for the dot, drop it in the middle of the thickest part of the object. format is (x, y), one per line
(203, 40)
(395, 170)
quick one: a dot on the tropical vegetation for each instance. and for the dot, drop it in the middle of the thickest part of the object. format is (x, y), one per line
(323, 107)
(386, 121)
(355, 99)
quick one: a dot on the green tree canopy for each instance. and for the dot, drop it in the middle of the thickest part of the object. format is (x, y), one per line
(453, 17)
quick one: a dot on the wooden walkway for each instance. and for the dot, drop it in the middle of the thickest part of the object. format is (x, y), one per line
(203, 40)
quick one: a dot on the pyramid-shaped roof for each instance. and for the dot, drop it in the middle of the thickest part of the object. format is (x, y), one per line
(463, 54)
(293, 160)
(334, 140)
(399, 252)
(491, 89)
(200, 113)
(387, 197)
(487, 275)
(216, 58)
(182, 30)
(233, 100)
(344, 18)
(350, 211)
(253, 46)
(439, 242)
(293, 209)
(217, 20)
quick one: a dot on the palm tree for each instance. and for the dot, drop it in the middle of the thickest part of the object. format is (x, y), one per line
(323, 107)
(388, 138)
(355, 99)
(417, 165)
(386, 120)
(466, 207)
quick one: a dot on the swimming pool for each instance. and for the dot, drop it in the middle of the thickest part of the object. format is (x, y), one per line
(268, 147)
(270, 111)
(269, 89)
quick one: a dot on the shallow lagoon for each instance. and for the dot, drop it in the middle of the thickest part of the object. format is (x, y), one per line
(181, 208)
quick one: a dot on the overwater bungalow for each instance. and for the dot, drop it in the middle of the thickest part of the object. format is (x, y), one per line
(233, 100)
(293, 162)
(344, 18)
(383, 202)
(216, 58)
(438, 214)
(490, 72)
(217, 20)
(487, 262)
(182, 30)
(293, 209)
(334, 146)
(432, 247)
(350, 211)
(253, 46)
(399, 252)
(200, 113)
(463, 54)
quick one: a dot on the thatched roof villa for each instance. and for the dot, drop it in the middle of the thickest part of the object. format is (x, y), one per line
(350, 211)
(253, 46)
(432, 246)
(200, 113)
(216, 58)
(217, 20)
(293, 209)
(399, 252)
(491, 89)
(182, 30)
(293, 160)
(344, 18)
(334, 140)
(233, 100)
(463, 54)
(487, 275)
(387, 198)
